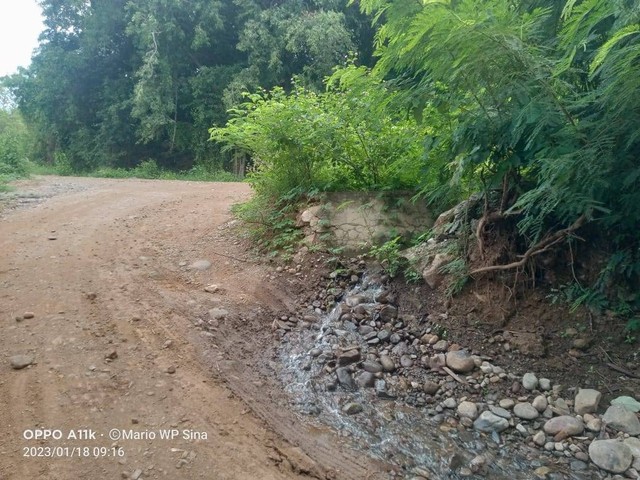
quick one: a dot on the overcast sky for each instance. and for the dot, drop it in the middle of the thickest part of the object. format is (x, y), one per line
(20, 25)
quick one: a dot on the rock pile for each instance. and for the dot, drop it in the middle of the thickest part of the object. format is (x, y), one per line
(366, 344)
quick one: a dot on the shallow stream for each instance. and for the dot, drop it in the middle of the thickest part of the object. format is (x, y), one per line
(390, 429)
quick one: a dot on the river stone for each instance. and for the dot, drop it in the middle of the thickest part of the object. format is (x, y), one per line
(545, 384)
(345, 379)
(366, 380)
(441, 346)
(388, 313)
(460, 361)
(388, 365)
(499, 411)
(352, 408)
(488, 422)
(530, 381)
(540, 403)
(525, 411)
(564, 424)
(19, 362)
(429, 338)
(201, 265)
(406, 361)
(634, 444)
(468, 409)
(430, 387)
(384, 335)
(587, 401)
(610, 455)
(560, 407)
(450, 403)
(373, 367)
(540, 438)
(507, 403)
(621, 419)
(365, 329)
(629, 403)
(349, 357)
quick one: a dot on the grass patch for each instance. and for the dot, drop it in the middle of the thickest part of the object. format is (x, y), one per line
(146, 170)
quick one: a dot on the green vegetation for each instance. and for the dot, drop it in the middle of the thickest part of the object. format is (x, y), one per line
(534, 103)
(15, 141)
(116, 82)
(347, 138)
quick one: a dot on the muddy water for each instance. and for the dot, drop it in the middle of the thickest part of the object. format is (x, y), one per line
(390, 429)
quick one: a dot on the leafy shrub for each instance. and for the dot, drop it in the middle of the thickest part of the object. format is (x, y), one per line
(347, 138)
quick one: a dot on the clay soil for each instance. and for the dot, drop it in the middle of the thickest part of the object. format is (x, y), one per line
(104, 266)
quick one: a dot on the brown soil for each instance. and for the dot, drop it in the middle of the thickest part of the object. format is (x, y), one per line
(102, 266)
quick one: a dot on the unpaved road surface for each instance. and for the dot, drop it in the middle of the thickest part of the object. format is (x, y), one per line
(104, 267)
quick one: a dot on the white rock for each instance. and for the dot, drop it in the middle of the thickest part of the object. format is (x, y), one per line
(468, 409)
(525, 411)
(488, 422)
(540, 438)
(450, 403)
(545, 384)
(460, 361)
(586, 401)
(530, 381)
(507, 403)
(540, 403)
(564, 424)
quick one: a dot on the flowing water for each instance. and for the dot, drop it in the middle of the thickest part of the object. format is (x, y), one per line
(389, 429)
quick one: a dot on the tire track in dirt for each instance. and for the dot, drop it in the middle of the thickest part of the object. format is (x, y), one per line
(113, 270)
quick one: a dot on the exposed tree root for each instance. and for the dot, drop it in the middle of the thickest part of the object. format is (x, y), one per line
(540, 247)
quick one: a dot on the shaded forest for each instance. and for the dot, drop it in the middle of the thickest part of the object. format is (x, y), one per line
(118, 82)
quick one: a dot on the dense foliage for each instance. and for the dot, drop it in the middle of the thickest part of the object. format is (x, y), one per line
(347, 138)
(15, 141)
(118, 82)
(536, 103)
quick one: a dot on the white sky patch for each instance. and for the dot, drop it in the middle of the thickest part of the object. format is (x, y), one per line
(20, 25)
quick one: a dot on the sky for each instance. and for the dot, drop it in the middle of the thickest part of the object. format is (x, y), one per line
(20, 25)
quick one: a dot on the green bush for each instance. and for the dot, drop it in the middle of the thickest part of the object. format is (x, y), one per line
(14, 146)
(347, 138)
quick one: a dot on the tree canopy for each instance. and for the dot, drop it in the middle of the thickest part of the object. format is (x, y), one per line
(117, 82)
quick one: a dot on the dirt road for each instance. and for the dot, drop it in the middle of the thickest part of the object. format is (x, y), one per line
(105, 268)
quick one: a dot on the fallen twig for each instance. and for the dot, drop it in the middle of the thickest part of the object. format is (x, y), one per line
(453, 375)
(617, 368)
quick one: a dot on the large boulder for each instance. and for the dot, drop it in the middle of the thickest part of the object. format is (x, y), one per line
(621, 419)
(610, 455)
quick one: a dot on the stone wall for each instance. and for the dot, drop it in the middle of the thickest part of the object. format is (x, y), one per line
(359, 220)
